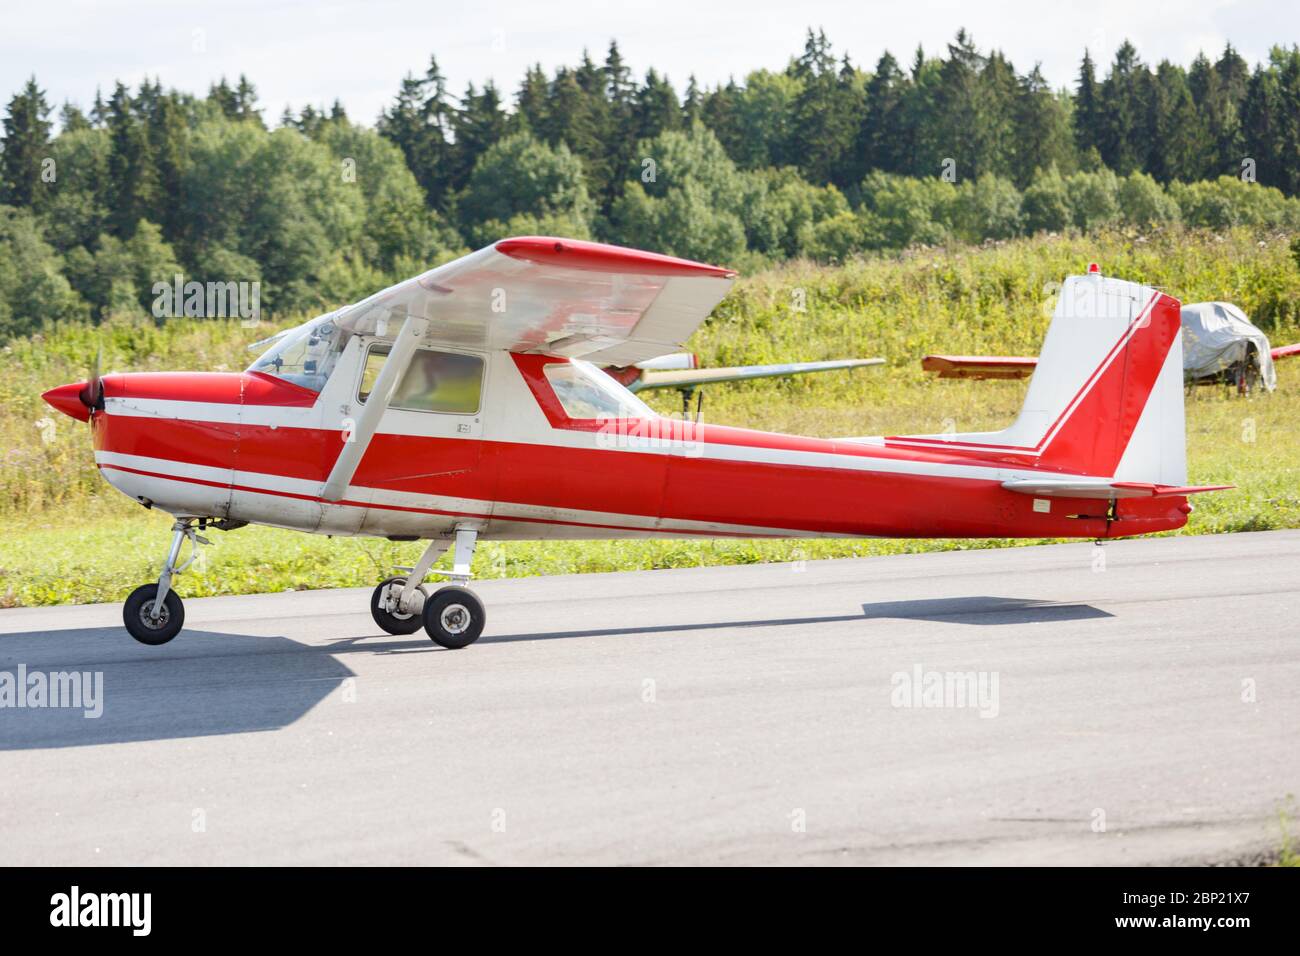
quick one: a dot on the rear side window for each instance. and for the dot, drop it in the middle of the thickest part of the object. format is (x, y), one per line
(447, 382)
(586, 392)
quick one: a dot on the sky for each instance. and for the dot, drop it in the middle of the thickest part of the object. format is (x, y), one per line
(299, 53)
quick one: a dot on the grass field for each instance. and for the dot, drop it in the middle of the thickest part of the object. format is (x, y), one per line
(65, 536)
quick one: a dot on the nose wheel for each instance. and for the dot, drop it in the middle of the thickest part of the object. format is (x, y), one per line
(139, 617)
(153, 614)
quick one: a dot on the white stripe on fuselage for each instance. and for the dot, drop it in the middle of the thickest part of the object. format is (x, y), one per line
(278, 416)
(166, 408)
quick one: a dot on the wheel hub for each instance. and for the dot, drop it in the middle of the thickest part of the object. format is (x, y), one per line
(151, 622)
(455, 619)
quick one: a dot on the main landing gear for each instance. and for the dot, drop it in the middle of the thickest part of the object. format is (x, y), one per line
(153, 614)
(453, 616)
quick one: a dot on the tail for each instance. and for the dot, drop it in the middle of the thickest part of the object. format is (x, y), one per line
(1106, 397)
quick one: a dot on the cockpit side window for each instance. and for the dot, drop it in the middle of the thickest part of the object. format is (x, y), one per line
(448, 382)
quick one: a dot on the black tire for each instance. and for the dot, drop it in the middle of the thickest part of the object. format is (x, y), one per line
(135, 615)
(454, 617)
(394, 623)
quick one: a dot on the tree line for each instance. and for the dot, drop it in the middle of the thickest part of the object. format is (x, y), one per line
(821, 159)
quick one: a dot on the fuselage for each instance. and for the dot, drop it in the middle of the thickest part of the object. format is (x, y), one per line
(258, 448)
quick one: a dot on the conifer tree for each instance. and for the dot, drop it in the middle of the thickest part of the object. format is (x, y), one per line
(26, 140)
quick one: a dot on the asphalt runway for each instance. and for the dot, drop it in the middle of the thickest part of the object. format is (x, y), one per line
(1142, 711)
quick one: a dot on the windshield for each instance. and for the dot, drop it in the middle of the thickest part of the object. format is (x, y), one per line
(587, 392)
(304, 356)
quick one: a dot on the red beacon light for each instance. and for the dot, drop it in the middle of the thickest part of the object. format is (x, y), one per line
(1094, 269)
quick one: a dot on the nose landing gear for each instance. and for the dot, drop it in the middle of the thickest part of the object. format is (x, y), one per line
(453, 616)
(153, 613)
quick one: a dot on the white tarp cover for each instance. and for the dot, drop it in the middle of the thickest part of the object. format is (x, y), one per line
(1215, 337)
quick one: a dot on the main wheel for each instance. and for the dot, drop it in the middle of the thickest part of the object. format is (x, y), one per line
(391, 621)
(454, 617)
(146, 629)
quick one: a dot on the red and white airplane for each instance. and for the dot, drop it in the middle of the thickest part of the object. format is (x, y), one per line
(467, 403)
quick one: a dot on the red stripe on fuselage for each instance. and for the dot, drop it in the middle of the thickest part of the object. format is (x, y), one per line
(825, 500)
(374, 506)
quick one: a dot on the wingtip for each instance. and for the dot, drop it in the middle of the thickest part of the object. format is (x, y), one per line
(602, 257)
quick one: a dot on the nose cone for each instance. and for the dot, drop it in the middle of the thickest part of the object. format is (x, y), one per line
(67, 399)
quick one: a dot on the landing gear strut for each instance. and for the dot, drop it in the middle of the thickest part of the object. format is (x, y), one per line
(453, 616)
(153, 613)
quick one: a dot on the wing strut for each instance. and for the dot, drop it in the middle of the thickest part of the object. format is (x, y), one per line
(399, 358)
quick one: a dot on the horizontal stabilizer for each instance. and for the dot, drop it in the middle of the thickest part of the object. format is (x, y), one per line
(1103, 488)
(980, 366)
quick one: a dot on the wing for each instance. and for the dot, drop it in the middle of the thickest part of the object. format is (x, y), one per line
(689, 378)
(979, 366)
(604, 303)
(1285, 351)
(564, 297)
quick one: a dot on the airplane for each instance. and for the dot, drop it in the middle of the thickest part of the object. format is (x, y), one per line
(1220, 347)
(980, 366)
(466, 404)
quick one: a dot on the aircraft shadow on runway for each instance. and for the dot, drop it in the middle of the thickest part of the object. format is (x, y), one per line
(206, 684)
(210, 683)
(983, 611)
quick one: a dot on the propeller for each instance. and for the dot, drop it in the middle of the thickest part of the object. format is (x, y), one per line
(92, 396)
(80, 400)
